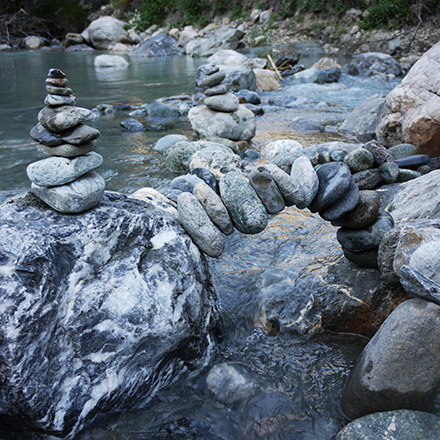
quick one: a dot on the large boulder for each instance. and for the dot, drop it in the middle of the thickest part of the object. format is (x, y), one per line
(398, 369)
(223, 38)
(228, 57)
(160, 45)
(98, 309)
(376, 63)
(412, 110)
(104, 31)
(237, 126)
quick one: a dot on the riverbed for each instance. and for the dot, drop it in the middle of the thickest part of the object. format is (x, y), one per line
(298, 378)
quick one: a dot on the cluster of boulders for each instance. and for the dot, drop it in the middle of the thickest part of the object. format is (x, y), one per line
(65, 180)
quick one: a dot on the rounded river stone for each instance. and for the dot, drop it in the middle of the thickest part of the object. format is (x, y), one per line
(342, 206)
(222, 103)
(261, 180)
(334, 181)
(63, 91)
(64, 117)
(380, 153)
(44, 136)
(55, 171)
(213, 80)
(78, 196)
(364, 214)
(57, 100)
(199, 226)
(359, 160)
(207, 177)
(406, 175)
(221, 89)
(367, 179)
(80, 135)
(305, 176)
(246, 209)
(413, 161)
(67, 150)
(360, 240)
(214, 207)
(402, 150)
(289, 189)
(389, 171)
(179, 156)
(363, 259)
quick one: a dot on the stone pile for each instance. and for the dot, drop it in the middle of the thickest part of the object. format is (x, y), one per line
(65, 180)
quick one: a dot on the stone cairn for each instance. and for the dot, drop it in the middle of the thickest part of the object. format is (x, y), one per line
(65, 180)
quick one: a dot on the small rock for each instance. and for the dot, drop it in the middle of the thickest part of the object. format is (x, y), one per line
(343, 206)
(132, 125)
(406, 175)
(251, 155)
(57, 100)
(222, 103)
(62, 91)
(389, 172)
(402, 150)
(207, 177)
(250, 96)
(179, 156)
(199, 226)
(359, 160)
(80, 135)
(185, 183)
(305, 176)
(290, 190)
(64, 117)
(413, 161)
(380, 153)
(367, 179)
(330, 75)
(221, 89)
(110, 61)
(166, 142)
(67, 150)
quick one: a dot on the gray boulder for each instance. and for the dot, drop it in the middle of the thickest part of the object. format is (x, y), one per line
(104, 31)
(398, 369)
(160, 45)
(223, 38)
(376, 63)
(239, 77)
(166, 142)
(178, 157)
(101, 309)
(157, 109)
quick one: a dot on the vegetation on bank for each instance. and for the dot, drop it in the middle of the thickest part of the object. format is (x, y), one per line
(54, 18)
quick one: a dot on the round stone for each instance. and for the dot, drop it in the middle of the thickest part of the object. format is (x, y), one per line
(199, 226)
(359, 160)
(334, 181)
(57, 82)
(245, 208)
(64, 117)
(44, 136)
(261, 180)
(389, 171)
(365, 239)
(338, 156)
(55, 73)
(402, 150)
(67, 150)
(57, 100)
(342, 206)
(367, 179)
(303, 173)
(132, 125)
(406, 175)
(222, 103)
(166, 142)
(364, 214)
(63, 91)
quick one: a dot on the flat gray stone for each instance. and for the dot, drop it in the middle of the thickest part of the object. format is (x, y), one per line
(57, 100)
(78, 196)
(213, 79)
(64, 117)
(166, 142)
(55, 171)
(81, 134)
(342, 206)
(245, 208)
(199, 226)
(214, 207)
(222, 103)
(289, 189)
(67, 150)
(402, 150)
(62, 91)
(267, 190)
(303, 173)
(221, 89)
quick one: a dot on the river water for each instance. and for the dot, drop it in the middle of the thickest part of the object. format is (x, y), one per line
(298, 379)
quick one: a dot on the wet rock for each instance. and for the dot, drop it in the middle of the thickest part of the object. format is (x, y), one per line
(359, 160)
(282, 152)
(250, 96)
(178, 157)
(413, 161)
(362, 259)
(199, 226)
(380, 153)
(255, 109)
(44, 136)
(80, 135)
(364, 214)
(214, 207)
(402, 150)
(61, 91)
(343, 206)
(389, 172)
(393, 425)
(207, 177)
(398, 367)
(363, 120)
(75, 197)
(368, 179)
(67, 150)
(334, 182)
(261, 180)
(305, 176)
(329, 75)
(419, 285)
(376, 63)
(406, 175)
(222, 103)
(152, 291)
(244, 206)
(303, 124)
(251, 155)
(64, 117)
(160, 45)
(166, 142)
(289, 189)
(359, 240)
(132, 125)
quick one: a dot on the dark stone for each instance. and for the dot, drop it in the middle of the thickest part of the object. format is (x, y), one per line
(367, 179)
(250, 96)
(185, 183)
(56, 73)
(376, 63)
(359, 240)
(122, 107)
(158, 110)
(207, 177)
(303, 124)
(363, 259)
(132, 125)
(44, 136)
(419, 285)
(398, 369)
(63, 91)
(212, 80)
(334, 182)
(330, 75)
(98, 308)
(389, 172)
(350, 69)
(380, 153)
(220, 89)
(343, 206)
(255, 109)
(208, 69)
(363, 214)
(359, 160)
(413, 161)
(393, 425)
(405, 175)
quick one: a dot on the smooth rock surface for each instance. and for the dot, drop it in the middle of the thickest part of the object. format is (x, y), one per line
(303, 173)
(282, 152)
(343, 206)
(419, 285)
(413, 161)
(389, 172)
(104, 31)
(104, 306)
(178, 157)
(367, 179)
(64, 117)
(359, 160)
(110, 61)
(222, 103)
(244, 206)
(402, 150)
(166, 142)
(67, 150)
(398, 369)
(289, 189)
(160, 45)
(57, 100)
(80, 135)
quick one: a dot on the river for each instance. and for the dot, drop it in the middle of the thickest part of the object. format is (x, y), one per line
(299, 379)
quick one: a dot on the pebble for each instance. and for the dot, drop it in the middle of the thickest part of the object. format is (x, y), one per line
(207, 177)
(185, 183)
(406, 175)
(334, 182)
(199, 226)
(80, 134)
(245, 208)
(389, 171)
(222, 103)
(213, 80)
(363, 259)
(64, 117)
(251, 155)
(57, 82)
(368, 179)
(338, 156)
(261, 180)
(57, 100)
(413, 161)
(289, 189)
(221, 89)
(380, 153)
(67, 150)
(365, 239)
(303, 173)
(63, 91)
(55, 171)
(343, 206)
(402, 150)
(359, 160)
(166, 142)
(77, 196)
(364, 214)
(55, 73)
(214, 207)
(132, 125)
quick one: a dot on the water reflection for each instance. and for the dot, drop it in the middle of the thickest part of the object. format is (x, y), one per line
(110, 74)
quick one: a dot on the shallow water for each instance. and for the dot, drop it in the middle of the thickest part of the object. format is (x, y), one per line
(299, 379)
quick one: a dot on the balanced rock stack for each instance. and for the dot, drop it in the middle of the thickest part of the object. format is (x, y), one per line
(65, 180)
(221, 115)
